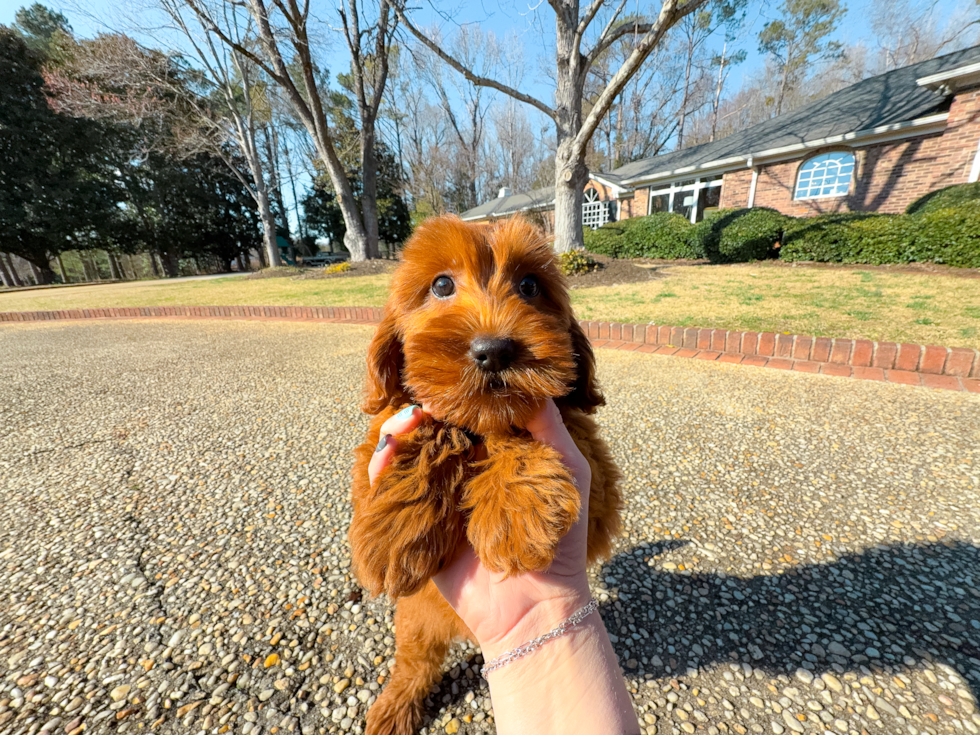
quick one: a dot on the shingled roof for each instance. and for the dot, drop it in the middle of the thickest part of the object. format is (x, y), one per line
(502, 206)
(889, 99)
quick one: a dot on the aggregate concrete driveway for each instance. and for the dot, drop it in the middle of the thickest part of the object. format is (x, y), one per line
(802, 553)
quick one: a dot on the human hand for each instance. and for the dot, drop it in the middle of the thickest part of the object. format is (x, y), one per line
(503, 612)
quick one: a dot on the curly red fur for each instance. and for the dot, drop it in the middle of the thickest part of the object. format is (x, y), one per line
(514, 499)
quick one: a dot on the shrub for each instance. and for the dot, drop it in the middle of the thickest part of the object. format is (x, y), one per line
(576, 262)
(950, 236)
(848, 238)
(661, 235)
(739, 235)
(951, 196)
(342, 267)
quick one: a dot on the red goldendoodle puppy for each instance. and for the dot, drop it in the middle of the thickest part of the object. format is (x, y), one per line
(478, 328)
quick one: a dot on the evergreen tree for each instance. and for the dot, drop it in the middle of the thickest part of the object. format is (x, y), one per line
(56, 187)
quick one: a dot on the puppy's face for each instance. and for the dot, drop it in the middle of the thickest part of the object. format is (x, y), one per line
(478, 327)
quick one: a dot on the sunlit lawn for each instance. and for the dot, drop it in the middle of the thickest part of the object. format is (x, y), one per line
(902, 307)
(350, 291)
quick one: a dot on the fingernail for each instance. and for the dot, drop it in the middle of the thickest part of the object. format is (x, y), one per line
(406, 412)
(383, 443)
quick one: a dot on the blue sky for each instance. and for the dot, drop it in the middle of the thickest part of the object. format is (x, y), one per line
(509, 17)
(527, 24)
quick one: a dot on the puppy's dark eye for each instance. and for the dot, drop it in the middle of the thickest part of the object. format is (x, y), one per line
(443, 287)
(528, 287)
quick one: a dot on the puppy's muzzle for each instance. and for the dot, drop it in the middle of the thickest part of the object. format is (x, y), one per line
(493, 354)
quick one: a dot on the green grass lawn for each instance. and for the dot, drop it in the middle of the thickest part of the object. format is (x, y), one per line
(351, 291)
(834, 302)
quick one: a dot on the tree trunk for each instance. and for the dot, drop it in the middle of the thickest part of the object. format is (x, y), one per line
(369, 195)
(268, 226)
(61, 268)
(114, 272)
(171, 265)
(8, 280)
(43, 275)
(88, 272)
(12, 267)
(717, 102)
(571, 172)
(273, 147)
(568, 203)
(682, 117)
(782, 88)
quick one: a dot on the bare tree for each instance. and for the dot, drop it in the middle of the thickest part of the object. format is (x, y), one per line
(236, 82)
(515, 146)
(574, 129)
(696, 29)
(724, 61)
(908, 33)
(282, 28)
(479, 51)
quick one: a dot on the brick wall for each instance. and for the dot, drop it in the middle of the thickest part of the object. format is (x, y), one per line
(888, 177)
(735, 187)
(641, 202)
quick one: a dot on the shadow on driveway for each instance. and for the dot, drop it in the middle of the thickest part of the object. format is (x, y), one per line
(889, 608)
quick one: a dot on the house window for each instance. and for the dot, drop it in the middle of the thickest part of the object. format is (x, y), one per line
(659, 203)
(688, 198)
(595, 213)
(826, 175)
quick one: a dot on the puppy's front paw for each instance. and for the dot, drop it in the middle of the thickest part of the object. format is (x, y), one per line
(408, 523)
(521, 503)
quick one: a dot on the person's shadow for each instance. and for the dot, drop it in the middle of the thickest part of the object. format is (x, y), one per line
(889, 608)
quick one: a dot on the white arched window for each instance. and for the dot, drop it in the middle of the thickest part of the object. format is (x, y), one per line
(595, 212)
(826, 175)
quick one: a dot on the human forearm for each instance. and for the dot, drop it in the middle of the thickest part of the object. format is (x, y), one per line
(571, 685)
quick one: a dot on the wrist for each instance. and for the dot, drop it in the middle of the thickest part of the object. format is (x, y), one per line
(540, 618)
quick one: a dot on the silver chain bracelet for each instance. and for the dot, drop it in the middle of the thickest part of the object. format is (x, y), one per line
(525, 649)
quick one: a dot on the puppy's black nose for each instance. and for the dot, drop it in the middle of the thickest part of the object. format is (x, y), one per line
(492, 354)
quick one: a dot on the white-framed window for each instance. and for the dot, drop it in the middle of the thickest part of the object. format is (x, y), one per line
(689, 198)
(595, 212)
(826, 175)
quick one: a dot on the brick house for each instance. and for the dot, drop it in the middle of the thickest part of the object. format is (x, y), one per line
(875, 146)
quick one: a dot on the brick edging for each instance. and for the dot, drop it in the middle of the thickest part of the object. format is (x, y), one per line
(950, 368)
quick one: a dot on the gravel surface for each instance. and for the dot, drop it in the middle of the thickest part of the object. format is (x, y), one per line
(801, 552)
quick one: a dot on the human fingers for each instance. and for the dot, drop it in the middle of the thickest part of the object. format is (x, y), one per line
(401, 423)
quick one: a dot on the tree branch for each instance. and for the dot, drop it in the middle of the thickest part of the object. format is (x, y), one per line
(589, 15)
(468, 73)
(610, 36)
(670, 13)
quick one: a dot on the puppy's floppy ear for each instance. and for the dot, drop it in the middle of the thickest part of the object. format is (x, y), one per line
(384, 367)
(585, 394)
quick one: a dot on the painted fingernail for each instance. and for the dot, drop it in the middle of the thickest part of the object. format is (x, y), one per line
(383, 443)
(406, 412)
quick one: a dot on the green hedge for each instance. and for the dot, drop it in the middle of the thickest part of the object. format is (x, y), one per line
(739, 235)
(661, 235)
(951, 196)
(950, 236)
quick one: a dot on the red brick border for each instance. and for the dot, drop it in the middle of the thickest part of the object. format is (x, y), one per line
(947, 368)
